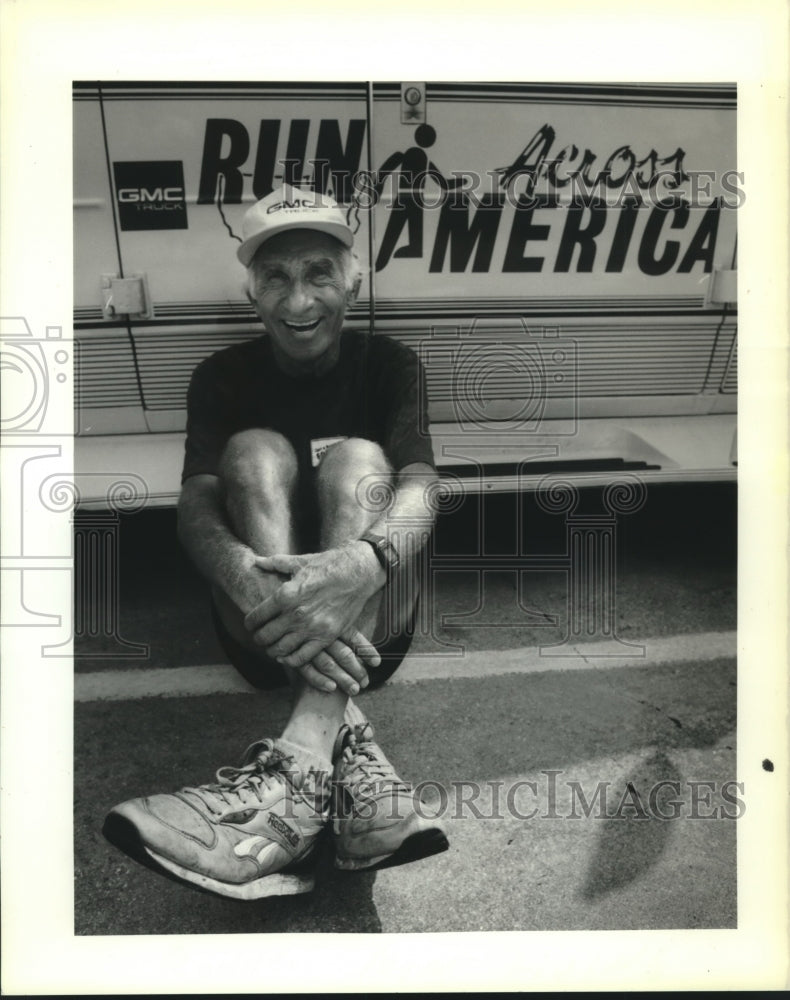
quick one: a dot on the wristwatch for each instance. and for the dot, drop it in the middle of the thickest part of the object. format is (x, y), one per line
(385, 551)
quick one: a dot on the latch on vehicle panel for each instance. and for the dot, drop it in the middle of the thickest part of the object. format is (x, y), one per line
(125, 297)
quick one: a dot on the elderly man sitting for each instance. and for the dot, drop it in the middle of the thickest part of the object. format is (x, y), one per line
(304, 454)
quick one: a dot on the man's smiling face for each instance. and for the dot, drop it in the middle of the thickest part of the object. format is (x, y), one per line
(300, 292)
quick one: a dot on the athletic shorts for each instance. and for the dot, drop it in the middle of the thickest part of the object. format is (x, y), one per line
(267, 674)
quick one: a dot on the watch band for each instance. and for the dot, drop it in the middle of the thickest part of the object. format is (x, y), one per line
(385, 551)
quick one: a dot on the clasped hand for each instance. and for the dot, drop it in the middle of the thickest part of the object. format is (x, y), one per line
(309, 622)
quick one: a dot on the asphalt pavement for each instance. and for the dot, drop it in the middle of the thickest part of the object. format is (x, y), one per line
(587, 773)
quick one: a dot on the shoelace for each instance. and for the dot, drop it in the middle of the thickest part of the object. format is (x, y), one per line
(244, 785)
(364, 765)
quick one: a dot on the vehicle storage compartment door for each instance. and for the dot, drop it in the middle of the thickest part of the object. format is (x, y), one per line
(107, 391)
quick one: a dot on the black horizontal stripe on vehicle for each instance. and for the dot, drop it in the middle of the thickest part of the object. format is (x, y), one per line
(627, 300)
(703, 95)
(613, 89)
(596, 356)
(536, 468)
(600, 102)
(532, 93)
(380, 317)
(492, 312)
(222, 306)
(552, 87)
(567, 302)
(210, 97)
(153, 323)
(585, 101)
(100, 404)
(406, 306)
(207, 97)
(109, 86)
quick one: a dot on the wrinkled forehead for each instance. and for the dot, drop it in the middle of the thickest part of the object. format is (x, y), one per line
(297, 248)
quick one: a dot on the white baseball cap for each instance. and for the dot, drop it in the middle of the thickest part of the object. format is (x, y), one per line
(291, 208)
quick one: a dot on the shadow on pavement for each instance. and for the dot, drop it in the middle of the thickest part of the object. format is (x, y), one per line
(633, 840)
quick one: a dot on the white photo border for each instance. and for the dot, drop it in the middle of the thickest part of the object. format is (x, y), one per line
(46, 45)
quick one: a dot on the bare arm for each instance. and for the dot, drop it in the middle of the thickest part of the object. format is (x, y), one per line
(328, 590)
(220, 556)
(228, 563)
(408, 522)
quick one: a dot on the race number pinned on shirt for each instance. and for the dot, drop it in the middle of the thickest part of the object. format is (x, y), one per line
(319, 446)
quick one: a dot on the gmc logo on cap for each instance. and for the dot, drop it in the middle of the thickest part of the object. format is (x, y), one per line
(150, 194)
(278, 206)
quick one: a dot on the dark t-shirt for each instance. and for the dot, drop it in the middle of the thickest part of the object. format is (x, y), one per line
(376, 391)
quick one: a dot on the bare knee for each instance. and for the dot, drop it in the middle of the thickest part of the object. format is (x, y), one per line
(354, 455)
(258, 461)
(354, 485)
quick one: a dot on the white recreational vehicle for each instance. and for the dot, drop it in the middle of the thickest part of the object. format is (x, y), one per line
(562, 257)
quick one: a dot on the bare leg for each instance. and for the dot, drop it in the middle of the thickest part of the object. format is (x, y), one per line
(259, 476)
(343, 518)
(349, 472)
(259, 473)
(347, 469)
(351, 475)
